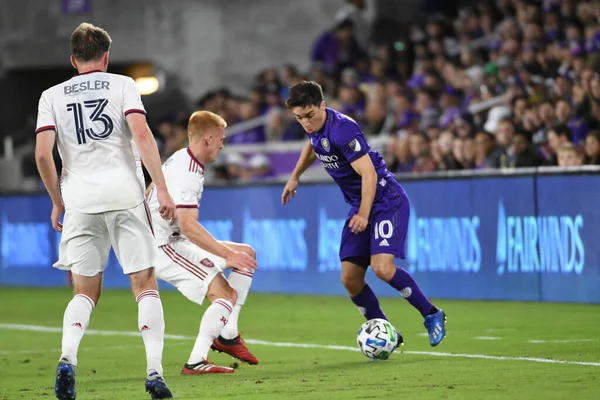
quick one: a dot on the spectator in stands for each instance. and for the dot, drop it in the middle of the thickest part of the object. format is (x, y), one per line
(446, 160)
(235, 166)
(543, 58)
(592, 148)
(289, 77)
(282, 125)
(351, 102)
(557, 136)
(258, 168)
(565, 115)
(428, 109)
(567, 155)
(421, 154)
(177, 138)
(486, 155)
(337, 49)
(398, 155)
(504, 136)
(465, 151)
(361, 13)
(376, 107)
(520, 153)
(248, 111)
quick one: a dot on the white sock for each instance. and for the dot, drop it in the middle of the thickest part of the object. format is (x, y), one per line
(240, 281)
(213, 320)
(151, 323)
(75, 322)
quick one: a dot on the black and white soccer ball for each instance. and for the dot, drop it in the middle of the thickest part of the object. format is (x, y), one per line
(377, 339)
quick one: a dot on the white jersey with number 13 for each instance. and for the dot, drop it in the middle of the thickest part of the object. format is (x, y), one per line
(101, 165)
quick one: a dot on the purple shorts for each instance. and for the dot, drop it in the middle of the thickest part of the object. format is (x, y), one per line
(385, 234)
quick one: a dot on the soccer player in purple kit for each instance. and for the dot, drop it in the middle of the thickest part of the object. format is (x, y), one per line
(376, 227)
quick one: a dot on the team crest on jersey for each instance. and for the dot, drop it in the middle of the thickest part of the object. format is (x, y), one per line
(325, 144)
(355, 145)
(207, 263)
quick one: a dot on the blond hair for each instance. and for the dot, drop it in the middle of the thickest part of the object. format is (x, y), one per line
(89, 42)
(202, 121)
(566, 147)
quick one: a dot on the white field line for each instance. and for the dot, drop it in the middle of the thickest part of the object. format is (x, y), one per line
(488, 338)
(562, 341)
(37, 328)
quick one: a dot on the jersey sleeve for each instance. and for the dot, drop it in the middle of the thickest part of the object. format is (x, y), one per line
(132, 100)
(187, 190)
(45, 117)
(351, 141)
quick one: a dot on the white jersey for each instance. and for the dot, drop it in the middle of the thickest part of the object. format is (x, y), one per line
(184, 175)
(101, 163)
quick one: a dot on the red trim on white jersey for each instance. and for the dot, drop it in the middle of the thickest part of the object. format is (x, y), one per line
(88, 72)
(134, 111)
(186, 206)
(45, 128)
(149, 216)
(194, 163)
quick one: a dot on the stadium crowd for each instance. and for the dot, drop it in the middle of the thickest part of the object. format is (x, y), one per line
(539, 57)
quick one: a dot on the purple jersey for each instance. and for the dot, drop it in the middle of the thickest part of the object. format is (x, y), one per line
(339, 143)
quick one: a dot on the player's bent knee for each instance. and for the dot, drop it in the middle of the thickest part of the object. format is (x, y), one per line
(352, 283)
(250, 251)
(228, 293)
(143, 280)
(90, 286)
(233, 295)
(383, 271)
(219, 288)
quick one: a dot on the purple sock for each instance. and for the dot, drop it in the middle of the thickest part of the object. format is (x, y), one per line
(368, 304)
(408, 288)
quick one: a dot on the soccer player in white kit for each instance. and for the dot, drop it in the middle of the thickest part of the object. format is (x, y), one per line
(192, 260)
(99, 122)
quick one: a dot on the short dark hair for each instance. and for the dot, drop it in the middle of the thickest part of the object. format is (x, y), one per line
(89, 42)
(305, 94)
(562, 130)
(524, 134)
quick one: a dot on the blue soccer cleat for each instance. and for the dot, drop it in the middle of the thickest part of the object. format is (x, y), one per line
(436, 327)
(64, 389)
(157, 387)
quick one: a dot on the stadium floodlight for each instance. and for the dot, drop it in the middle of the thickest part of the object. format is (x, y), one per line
(147, 84)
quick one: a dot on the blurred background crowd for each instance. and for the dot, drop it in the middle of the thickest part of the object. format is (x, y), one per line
(537, 58)
(498, 84)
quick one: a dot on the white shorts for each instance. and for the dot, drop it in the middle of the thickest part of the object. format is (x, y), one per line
(188, 267)
(87, 238)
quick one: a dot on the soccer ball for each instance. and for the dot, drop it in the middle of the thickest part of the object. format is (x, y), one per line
(377, 339)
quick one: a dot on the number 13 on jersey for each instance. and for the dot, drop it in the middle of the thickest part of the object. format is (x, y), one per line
(97, 115)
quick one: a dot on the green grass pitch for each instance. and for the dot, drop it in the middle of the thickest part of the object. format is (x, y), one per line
(113, 366)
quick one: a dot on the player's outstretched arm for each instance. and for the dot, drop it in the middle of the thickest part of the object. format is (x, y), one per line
(364, 167)
(307, 158)
(149, 152)
(197, 234)
(44, 145)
